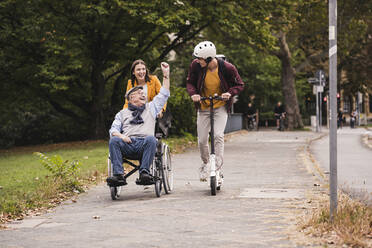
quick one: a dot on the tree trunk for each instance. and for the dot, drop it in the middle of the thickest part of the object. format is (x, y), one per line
(98, 128)
(288, 82)
(118, 92)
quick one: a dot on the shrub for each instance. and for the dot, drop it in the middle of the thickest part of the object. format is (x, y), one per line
(37, 127)
(65, 171)
(183, 112)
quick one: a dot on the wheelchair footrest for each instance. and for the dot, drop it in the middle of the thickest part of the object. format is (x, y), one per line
(114, 182)
(149, 182)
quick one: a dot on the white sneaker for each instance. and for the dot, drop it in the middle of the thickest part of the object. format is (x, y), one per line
(220, 178)
(203, 172)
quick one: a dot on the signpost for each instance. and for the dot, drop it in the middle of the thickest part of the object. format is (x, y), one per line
(319, 82)
(320, 75)
(332, 15)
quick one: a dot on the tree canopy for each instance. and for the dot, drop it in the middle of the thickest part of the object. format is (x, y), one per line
(64, 65)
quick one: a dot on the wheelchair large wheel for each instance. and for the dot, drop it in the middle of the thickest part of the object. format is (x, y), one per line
(168, 170)
(213, 185)
(157, 174)
(109, 168)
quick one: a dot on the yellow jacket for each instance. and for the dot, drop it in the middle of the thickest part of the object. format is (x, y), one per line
(153, 88)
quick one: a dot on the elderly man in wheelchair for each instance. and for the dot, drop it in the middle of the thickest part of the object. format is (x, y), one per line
(132, 132)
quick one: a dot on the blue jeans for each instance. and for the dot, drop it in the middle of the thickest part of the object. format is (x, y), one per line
(142, 149)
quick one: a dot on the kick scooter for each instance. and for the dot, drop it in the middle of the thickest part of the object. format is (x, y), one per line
(215, 176)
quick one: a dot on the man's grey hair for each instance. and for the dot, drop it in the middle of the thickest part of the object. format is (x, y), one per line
(134, 89)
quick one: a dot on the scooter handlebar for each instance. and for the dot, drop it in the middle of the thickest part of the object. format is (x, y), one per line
(216, 97)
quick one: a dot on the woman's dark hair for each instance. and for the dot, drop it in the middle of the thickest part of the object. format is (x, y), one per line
(133, 77)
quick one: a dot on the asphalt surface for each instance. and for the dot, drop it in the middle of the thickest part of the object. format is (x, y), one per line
(266, 188)
(354, 161)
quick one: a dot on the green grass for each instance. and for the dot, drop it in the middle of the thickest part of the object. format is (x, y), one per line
(25, 184)
(180, 144)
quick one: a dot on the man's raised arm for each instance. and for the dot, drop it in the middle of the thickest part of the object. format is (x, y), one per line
(165, 70)
(160, 99)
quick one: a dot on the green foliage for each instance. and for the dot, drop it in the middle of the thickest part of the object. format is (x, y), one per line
(264, 116)
(34, 124)
(76, 56)
(183, 112)
(261, 75)
(63, 170)
(73, 58)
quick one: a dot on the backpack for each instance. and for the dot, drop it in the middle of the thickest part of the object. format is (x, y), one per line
(221, 65)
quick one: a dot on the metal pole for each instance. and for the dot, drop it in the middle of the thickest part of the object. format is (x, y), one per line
(211, 112)
(328, 114)
(320, 111)
(358, 107)
(332, 15)
(317, 109)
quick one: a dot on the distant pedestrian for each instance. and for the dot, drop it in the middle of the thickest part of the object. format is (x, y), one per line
(353, 118)
(340, 118)
(279, 114)
(251, 116)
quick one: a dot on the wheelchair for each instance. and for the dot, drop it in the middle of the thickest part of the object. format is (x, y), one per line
(161, 170)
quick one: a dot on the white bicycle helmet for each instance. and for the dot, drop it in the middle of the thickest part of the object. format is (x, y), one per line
(205, 50)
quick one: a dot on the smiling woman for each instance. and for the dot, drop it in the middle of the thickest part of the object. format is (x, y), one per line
(140, 76)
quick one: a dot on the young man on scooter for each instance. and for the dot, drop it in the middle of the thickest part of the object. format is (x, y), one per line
(209, 76)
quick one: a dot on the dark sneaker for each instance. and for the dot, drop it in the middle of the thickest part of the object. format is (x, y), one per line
(145, 177)
(116, 180)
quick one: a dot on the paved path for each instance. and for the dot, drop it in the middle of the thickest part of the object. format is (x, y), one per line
(266, 187)
(354, 160)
